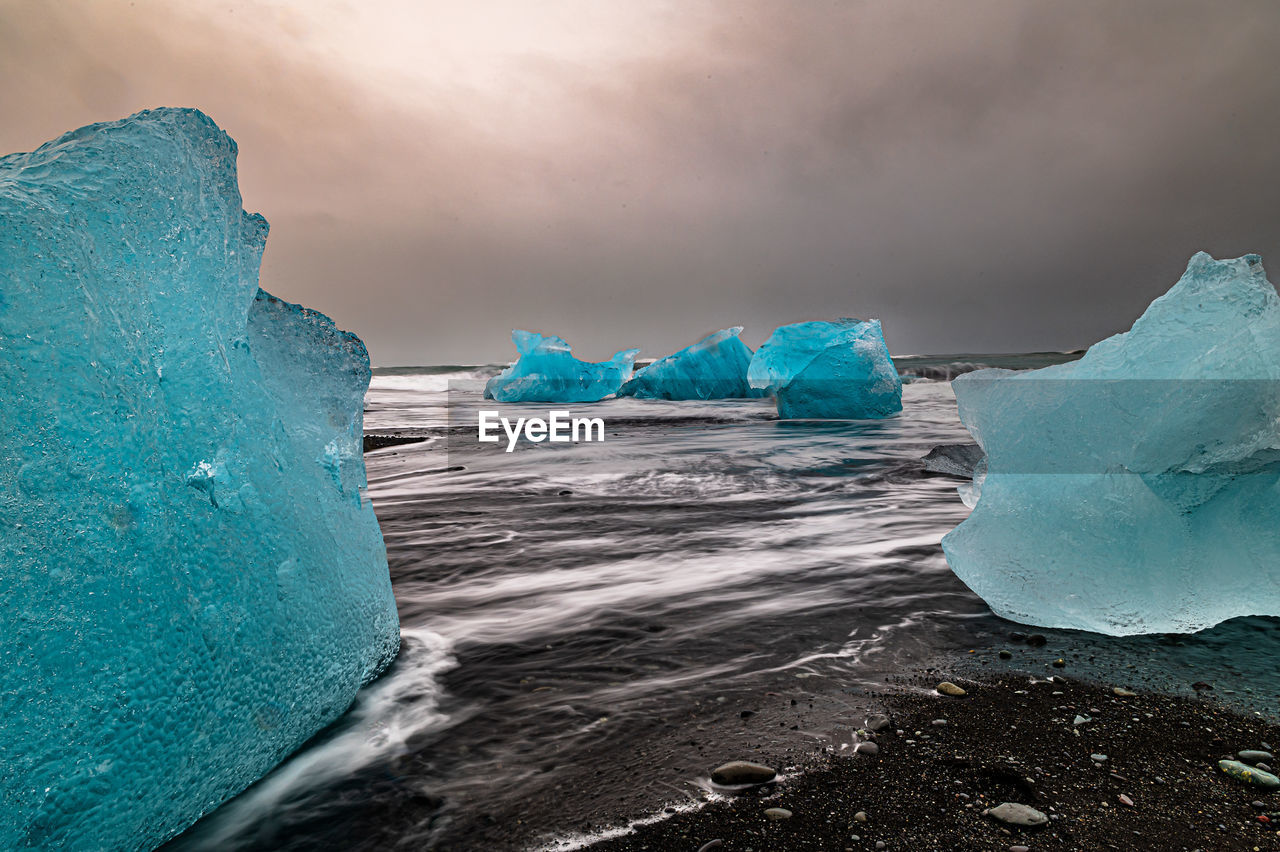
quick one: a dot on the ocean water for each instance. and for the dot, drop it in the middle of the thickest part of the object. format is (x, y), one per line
(563, 604)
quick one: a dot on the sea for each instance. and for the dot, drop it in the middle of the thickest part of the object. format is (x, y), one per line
(588, 626)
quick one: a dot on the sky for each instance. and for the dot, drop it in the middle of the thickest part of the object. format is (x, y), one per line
(982, 176)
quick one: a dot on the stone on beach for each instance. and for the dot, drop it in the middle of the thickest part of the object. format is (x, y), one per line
(742, 772)
(1013, 813)
(949, 688)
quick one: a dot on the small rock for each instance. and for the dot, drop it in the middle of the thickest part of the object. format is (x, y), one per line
(949, 688)
(743, 772)
(1019, 849)
(747, 714)
(1036, 640)
(866, 748)
(1265, 767)
(1249, 775)
(1059, 663)
(712, 844)
(1252, 756)
(1125, 800)
(876, 722)
(1080, 720)
(776, 814)
(1006, 655)
(1122, 692)
(860, 816)
(880, 844)
(1015, 636)
(1012, 813)
(938, 723)
(1098, 758)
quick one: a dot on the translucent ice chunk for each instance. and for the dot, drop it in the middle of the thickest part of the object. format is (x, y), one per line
(193, 582)
(713, 368)
(1136, 490)
(547, 372)
(828, 370)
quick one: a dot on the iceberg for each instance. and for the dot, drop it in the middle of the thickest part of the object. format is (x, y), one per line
(1136, 490)
(194, 582)
(828, 370)
(547, 372)
(713, 368)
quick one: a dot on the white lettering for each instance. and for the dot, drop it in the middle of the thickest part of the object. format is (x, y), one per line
(513, 435)
(484, 425)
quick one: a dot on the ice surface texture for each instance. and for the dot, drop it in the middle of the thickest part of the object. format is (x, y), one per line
(1136, 490)
(829, 370)
(193, 584)
(547, 372)
(713, 368)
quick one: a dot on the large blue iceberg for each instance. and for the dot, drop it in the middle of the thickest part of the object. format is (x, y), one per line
(1136, 490)
(194, 583)
(547, 372)
(828, 370)
(713, 368)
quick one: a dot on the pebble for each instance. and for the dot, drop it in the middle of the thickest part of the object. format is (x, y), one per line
(1125, 800)
(1035, 640)
(713, 844)
(1255, 757)
(742, 772)
(1080, 720)
(1059, 663)
(860, 816)
(949, 688)
(1122, 692)
(1006, 655)
(1019, 849)
(1249, 775)
(1012, 813)
(866, 748)
(878, 722)
(777, 813)
(1098, 758)
(938, 723)
(880, 844)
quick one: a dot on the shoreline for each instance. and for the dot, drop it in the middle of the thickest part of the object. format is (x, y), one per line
(1010, 738)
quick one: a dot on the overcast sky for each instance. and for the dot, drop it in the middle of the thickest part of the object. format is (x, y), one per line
(982, 176)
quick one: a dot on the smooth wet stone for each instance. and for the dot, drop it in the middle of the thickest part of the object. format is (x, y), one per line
(1019, 849)
(949, 688)
(1121, 692)
(1098, 758)
(1254, 757)
(867, 748)
(1249, 774)
(1125, 800)
(1006, 655)
(1012, 813)
(777, 813)
(743, 772)
(877, 722)
(860, 816)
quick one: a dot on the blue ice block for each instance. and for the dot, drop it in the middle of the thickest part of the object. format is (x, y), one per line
(547, 372)
(193, 582)
(828, 370)
(1136, 490)
(713, 368)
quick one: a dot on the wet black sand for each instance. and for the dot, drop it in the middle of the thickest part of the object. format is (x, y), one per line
(1011, 738)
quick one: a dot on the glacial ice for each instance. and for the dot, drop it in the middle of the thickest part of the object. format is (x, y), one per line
(193, 583)
(1136, 490)
(547, 372)
(713, 368)
(828, 370)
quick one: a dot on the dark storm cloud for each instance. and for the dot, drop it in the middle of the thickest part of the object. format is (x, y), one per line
(980, 175)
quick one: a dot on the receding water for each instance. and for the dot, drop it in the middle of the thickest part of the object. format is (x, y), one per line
(562, 600)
